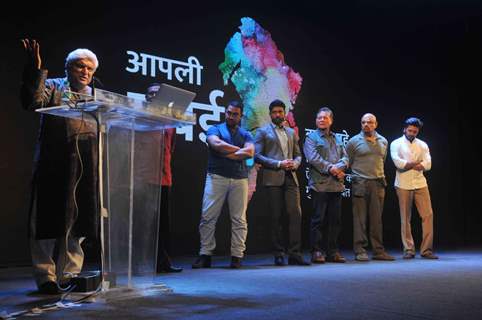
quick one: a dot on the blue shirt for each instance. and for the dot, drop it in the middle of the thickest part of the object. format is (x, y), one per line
(217, 164)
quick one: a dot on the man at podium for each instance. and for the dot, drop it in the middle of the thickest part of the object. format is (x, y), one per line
(64, 201)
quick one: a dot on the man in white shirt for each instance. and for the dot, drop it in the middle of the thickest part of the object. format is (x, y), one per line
(411, 157)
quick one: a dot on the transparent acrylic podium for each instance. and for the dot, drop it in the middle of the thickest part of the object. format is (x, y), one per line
(130, 145)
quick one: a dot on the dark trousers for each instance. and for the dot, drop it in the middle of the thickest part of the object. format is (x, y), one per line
(367, 199)
(325, 222)
(285, 208)
(146, 199)
(163, 259)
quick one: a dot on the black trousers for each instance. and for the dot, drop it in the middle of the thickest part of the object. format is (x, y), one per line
(163, 245)
(285, 208)
(145, 198)
(325, 222)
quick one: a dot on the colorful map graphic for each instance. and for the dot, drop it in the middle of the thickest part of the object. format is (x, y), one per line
(258, 72)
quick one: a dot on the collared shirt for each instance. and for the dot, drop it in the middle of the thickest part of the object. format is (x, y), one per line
(403, 151)
(218, 164)
(322, 151)
(283, 139)
(367, 157)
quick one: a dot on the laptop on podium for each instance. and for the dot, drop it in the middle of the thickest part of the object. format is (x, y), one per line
(174, 98)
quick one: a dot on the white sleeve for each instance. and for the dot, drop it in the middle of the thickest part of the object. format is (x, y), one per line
(399, 162)
(426, 158)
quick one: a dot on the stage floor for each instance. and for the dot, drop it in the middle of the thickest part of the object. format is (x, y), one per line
(448, 288)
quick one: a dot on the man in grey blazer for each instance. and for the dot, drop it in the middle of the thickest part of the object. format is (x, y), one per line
(277, 150)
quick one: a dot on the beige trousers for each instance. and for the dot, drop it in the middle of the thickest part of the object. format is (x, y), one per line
(69, 259)
(68, 263)
(421, 197)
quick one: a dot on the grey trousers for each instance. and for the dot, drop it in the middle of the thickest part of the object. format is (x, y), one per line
(216, 190)
(421, 197)
(367, 198)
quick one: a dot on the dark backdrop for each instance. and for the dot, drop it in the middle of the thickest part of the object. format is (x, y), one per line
(394, 60)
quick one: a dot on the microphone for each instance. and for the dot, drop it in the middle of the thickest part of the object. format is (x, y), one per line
(97, 81)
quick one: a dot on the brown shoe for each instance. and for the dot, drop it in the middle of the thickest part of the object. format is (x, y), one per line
(429, 255)
(337, 257)
(408, 255)
(383, 256)
(317, 257)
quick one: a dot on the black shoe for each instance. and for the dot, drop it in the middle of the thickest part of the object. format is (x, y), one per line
(279, 261)
(49, 287)
(297, 261)
(235, 262)
(65, 283)
(169, 269)
(203, 261)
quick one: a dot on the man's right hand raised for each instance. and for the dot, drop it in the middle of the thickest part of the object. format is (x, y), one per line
(32, 47)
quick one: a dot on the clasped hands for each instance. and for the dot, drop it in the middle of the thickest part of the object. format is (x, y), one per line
(288, 165)
(337, 172)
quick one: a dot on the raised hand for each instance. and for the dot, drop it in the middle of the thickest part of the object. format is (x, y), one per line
(32, 47)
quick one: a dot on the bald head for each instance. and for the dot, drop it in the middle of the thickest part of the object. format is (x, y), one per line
(369, 116)
(369, 124)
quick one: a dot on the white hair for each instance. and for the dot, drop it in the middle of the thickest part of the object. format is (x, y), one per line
(81, 54)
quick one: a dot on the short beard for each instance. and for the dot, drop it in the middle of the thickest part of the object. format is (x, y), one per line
(410, 138)
(278, 121)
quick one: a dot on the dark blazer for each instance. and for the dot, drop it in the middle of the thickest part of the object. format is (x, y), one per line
(268, 153)
(56, 167)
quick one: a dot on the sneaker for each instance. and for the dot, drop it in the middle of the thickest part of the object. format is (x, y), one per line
(235, 262)
(363, 257)
(203, 261)
(383, 256)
